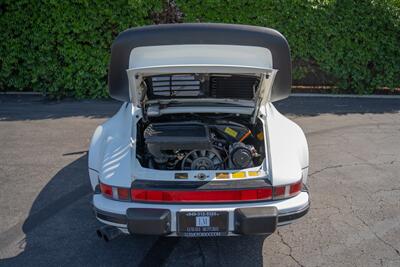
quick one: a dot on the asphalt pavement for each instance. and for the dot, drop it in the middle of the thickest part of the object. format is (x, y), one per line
(354, 180)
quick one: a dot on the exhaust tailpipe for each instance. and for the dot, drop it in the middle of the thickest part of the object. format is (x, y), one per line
(108, 233)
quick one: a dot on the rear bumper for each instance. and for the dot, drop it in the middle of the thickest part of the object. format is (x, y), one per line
(160, 219)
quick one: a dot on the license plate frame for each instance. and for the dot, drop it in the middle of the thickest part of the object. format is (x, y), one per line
(186, 223)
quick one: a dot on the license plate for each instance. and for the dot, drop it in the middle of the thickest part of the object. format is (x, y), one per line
(202, 223)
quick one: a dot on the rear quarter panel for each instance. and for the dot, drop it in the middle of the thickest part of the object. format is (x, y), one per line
(287, 148)
(110, 149)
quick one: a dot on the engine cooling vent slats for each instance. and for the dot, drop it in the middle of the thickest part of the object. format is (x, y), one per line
(176, 85)
(239, 87)
(202, 85)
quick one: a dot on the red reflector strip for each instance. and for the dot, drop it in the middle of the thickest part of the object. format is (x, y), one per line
(201, 195)
(266, 193)
(106, 190)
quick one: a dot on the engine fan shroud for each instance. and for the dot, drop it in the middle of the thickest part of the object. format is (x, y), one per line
(202, 159)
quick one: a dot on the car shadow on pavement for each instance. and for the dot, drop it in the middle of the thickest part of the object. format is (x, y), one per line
(218, 251)
(28, 108)
(60, 230)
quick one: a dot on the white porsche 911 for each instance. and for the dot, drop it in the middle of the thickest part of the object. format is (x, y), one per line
(197, 147)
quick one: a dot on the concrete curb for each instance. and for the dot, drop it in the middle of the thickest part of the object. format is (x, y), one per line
(21, 93)
(292, 95)
(345, 96)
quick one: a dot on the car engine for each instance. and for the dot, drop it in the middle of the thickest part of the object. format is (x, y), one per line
(198, 145)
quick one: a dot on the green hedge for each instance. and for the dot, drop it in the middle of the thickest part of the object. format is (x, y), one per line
(62, 48)
(356, 43)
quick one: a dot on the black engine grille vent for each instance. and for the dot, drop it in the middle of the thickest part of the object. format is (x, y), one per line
(182, 85)
(235, 86)
(202, 85)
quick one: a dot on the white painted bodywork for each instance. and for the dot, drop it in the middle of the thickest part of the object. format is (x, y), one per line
(112, 152)
(288, 206)
(232, 59)
(142, 57)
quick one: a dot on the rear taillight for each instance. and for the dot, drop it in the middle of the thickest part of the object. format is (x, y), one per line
(118, 193)
(151, 195)
(201, 195)
(279, 192)
(295, 188)
(106, 190)
(123, 194)
(286, 191)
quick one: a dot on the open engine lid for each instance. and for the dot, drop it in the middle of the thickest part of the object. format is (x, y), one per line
(207, 62)
(201, 84)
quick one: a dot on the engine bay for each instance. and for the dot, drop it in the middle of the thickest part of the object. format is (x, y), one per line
(200, 142)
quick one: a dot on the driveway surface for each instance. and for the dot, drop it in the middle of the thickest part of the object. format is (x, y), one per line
(354, 180)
